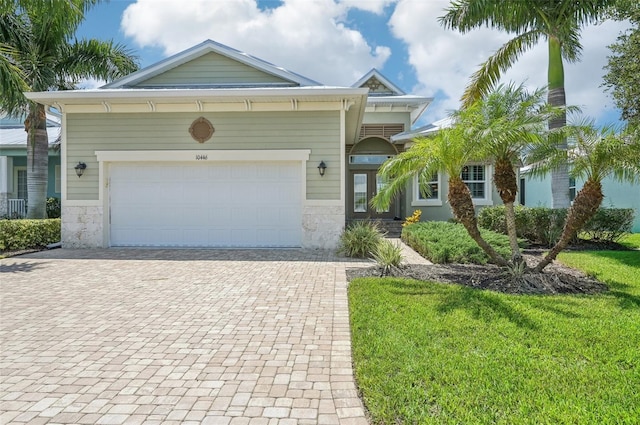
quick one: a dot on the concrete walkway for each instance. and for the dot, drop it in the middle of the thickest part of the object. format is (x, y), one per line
(176, 336)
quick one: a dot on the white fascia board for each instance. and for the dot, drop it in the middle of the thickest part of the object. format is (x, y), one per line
(209, 46)
(204, 155)
(101, 95)
(399, 100)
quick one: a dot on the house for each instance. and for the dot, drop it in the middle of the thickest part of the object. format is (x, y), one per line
(213, 147)
(536, 192)
(13, 164)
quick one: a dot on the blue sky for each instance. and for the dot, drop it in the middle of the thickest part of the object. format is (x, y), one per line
(337, 41)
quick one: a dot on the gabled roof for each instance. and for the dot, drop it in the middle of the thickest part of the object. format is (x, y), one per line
(378, 84)
(209, 46)
(384, 96)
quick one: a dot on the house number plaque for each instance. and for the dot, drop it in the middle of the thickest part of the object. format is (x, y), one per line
(201, 157)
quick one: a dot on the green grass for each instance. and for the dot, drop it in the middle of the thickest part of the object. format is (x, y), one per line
(430, 353)
(631, 241)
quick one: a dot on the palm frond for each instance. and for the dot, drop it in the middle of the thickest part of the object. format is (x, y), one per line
(486, 78)
(96, 59)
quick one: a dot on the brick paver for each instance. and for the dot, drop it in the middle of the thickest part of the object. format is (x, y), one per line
(131, 336)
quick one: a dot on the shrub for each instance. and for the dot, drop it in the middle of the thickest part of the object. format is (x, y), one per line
(413, 218)
(388, 255)
(544, 225)
(610, 224)
(360, 239)
(53, 207)
(443, 242)
(25, 234)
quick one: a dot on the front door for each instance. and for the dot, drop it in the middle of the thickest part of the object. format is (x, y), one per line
(364, 185)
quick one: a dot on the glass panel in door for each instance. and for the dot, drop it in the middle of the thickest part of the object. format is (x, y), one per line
(381, 183)
(360, 201)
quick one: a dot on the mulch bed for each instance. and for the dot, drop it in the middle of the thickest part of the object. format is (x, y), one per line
(555, 279)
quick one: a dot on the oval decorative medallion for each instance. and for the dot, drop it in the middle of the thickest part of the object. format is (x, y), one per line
(201, 130)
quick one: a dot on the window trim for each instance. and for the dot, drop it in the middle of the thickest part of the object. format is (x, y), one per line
(58, 179)
(434, 202)
(573, 186)
(488, 185)
(16, 191)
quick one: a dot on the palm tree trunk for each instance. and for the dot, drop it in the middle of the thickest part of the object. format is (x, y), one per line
(510, 218)
(37, 162)
(504, 178)
(462, 206)
(584, 207)
(556, 97)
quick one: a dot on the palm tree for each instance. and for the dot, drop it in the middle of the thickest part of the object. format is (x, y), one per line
(449, 151)
(594, 155)
(504, 124)
(557, 21)
(38, 52)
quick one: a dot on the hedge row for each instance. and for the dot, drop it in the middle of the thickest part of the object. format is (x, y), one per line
(444, 242)
(27, 234)
(544, 225)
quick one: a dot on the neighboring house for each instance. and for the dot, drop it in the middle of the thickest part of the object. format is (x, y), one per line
(536, 192)
(213, 147)
(13, 164)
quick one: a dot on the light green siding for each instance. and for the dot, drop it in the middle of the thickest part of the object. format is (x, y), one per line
(442, 212)
(211, 68)
(388, 118)
(317, 131)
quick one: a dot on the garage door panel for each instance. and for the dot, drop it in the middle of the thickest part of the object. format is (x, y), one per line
(217, 205)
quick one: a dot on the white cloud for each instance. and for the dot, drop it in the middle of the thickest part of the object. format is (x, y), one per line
(91, 83)
(307, 37)
(373, 6)
(444, 59)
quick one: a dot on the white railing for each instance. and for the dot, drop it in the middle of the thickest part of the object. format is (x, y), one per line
(17, 208)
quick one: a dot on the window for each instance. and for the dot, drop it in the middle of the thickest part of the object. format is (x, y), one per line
(368, 159)
(475, 177)
(360, 193)
(572, 189)
(420, 198)
(21, 183)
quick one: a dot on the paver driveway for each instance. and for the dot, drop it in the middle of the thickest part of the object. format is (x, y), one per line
(176, 336)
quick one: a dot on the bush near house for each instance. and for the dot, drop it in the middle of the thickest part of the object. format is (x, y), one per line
(443, 242)
(543, 226)
(360, 239)
(27, 234)
(53, 207)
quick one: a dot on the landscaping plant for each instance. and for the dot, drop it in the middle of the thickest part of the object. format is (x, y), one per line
(413, 218)
(595, 155)
(360, 239)
(388, 255)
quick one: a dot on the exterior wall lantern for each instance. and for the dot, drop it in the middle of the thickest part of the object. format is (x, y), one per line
(80, 169)
(321, 168)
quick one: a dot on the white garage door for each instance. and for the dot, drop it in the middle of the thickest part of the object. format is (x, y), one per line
(234, 204)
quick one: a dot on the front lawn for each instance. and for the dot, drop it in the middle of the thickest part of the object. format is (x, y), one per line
(431, 353)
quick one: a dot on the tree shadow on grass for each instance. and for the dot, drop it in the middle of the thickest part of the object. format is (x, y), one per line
(482, 305)
(621, 291)
(555, 305)
(485, 306)
(19, 267)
